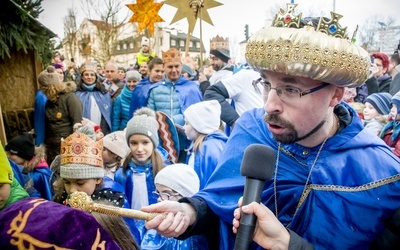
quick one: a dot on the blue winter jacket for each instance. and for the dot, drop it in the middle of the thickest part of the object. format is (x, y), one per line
(139, 95)
(121, 113)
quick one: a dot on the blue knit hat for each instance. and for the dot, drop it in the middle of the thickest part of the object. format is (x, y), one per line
(381, 102)
(396, 100)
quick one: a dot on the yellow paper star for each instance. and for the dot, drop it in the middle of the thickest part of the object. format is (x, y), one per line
(145, 12)
(185, 10)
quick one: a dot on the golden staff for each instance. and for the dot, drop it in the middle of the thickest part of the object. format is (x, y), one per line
(82, 201)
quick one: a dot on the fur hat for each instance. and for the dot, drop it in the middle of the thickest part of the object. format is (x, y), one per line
(6, 173)
(171, 55)
(133, 75)
(115, 142)
(145, 42)
(81, 157)
(88, 66)
(396, 100)
(143, 122)
(204, 116)
(317, 48)
(380, 101)
(48, 77)
(22, 145)
(180, 177)
(222, 54)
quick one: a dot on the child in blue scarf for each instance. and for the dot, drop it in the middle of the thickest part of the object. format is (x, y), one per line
(390, 133)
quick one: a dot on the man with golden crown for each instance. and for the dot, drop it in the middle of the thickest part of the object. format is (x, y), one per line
(333, 184)
(174, 94)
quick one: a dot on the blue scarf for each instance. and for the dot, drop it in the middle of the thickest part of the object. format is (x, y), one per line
(88, 87)
(395, 126)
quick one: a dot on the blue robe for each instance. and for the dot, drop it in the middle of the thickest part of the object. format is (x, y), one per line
(354, 185)
(139, 95)
(42, 183)
(39, 117)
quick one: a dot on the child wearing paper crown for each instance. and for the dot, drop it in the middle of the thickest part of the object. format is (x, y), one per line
(83, 232)
(377, 107)
(143, 162)
(202, 122)
(390, 133)
(81, 169)
(114, 151)
(173, 183)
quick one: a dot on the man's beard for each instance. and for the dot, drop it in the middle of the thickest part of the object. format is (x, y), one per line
(217, 67)
(291, 136)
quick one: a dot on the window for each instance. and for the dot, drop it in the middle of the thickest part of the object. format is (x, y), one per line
(197, 45)
(131, 45)
(191, 44)
(118, 47)
(182, 43)
(173, 42)
(124, 46)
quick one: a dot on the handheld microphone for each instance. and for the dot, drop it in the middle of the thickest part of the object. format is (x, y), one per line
(258, 166)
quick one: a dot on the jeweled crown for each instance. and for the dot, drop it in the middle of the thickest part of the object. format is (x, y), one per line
(78, 148)
(171, 55)
(332, 27)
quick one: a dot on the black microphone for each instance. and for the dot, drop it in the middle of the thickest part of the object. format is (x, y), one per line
(258, 166)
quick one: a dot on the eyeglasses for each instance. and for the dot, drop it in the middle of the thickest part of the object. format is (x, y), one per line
(165, 196)
(288, 93)
(213, 58)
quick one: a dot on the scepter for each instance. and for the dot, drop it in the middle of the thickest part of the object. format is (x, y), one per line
(82, 201)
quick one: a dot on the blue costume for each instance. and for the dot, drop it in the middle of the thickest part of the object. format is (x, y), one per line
(353, 188)
(206, 159)
(39, 117)
(41, 176)
(23, 177)
(104, 102)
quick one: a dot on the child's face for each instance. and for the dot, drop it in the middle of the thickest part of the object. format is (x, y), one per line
(370, 112)
(15, 158)
(165, 193)
(141, 147)
(191, 133)
(82, 185)
(108, 156)
(99, 135)
(5, 190)
(393, 112)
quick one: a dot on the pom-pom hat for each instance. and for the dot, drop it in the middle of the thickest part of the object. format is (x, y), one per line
(143, 122)
(380, 101)
(322, 53)
(204, 116)
(180, 177)
(48, 77)
(81, 157)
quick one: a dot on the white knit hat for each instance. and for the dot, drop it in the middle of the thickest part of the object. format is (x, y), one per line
(145, 41)
(204, 116)
(115, 142)
(180, 177)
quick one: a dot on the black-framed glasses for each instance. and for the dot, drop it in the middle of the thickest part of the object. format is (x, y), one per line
(289, 93)
(165, 196)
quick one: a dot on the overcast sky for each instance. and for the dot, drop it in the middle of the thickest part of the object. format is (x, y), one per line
(230, 18)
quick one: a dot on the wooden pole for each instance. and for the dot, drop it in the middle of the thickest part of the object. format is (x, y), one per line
(187, 43)
(201, 37)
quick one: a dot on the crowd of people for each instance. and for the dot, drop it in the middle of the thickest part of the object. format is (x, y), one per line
(332, 121)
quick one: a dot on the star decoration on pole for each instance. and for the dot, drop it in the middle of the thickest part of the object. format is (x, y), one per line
(145, 12)
(185, 10)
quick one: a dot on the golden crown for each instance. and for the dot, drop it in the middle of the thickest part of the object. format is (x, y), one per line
(330, 27)
(88, 66)
(171, 55)
(78, 148)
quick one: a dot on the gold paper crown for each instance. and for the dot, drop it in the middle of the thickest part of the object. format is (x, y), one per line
(80, 149)
(322, 53)
(171, 55)
(88, 66)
